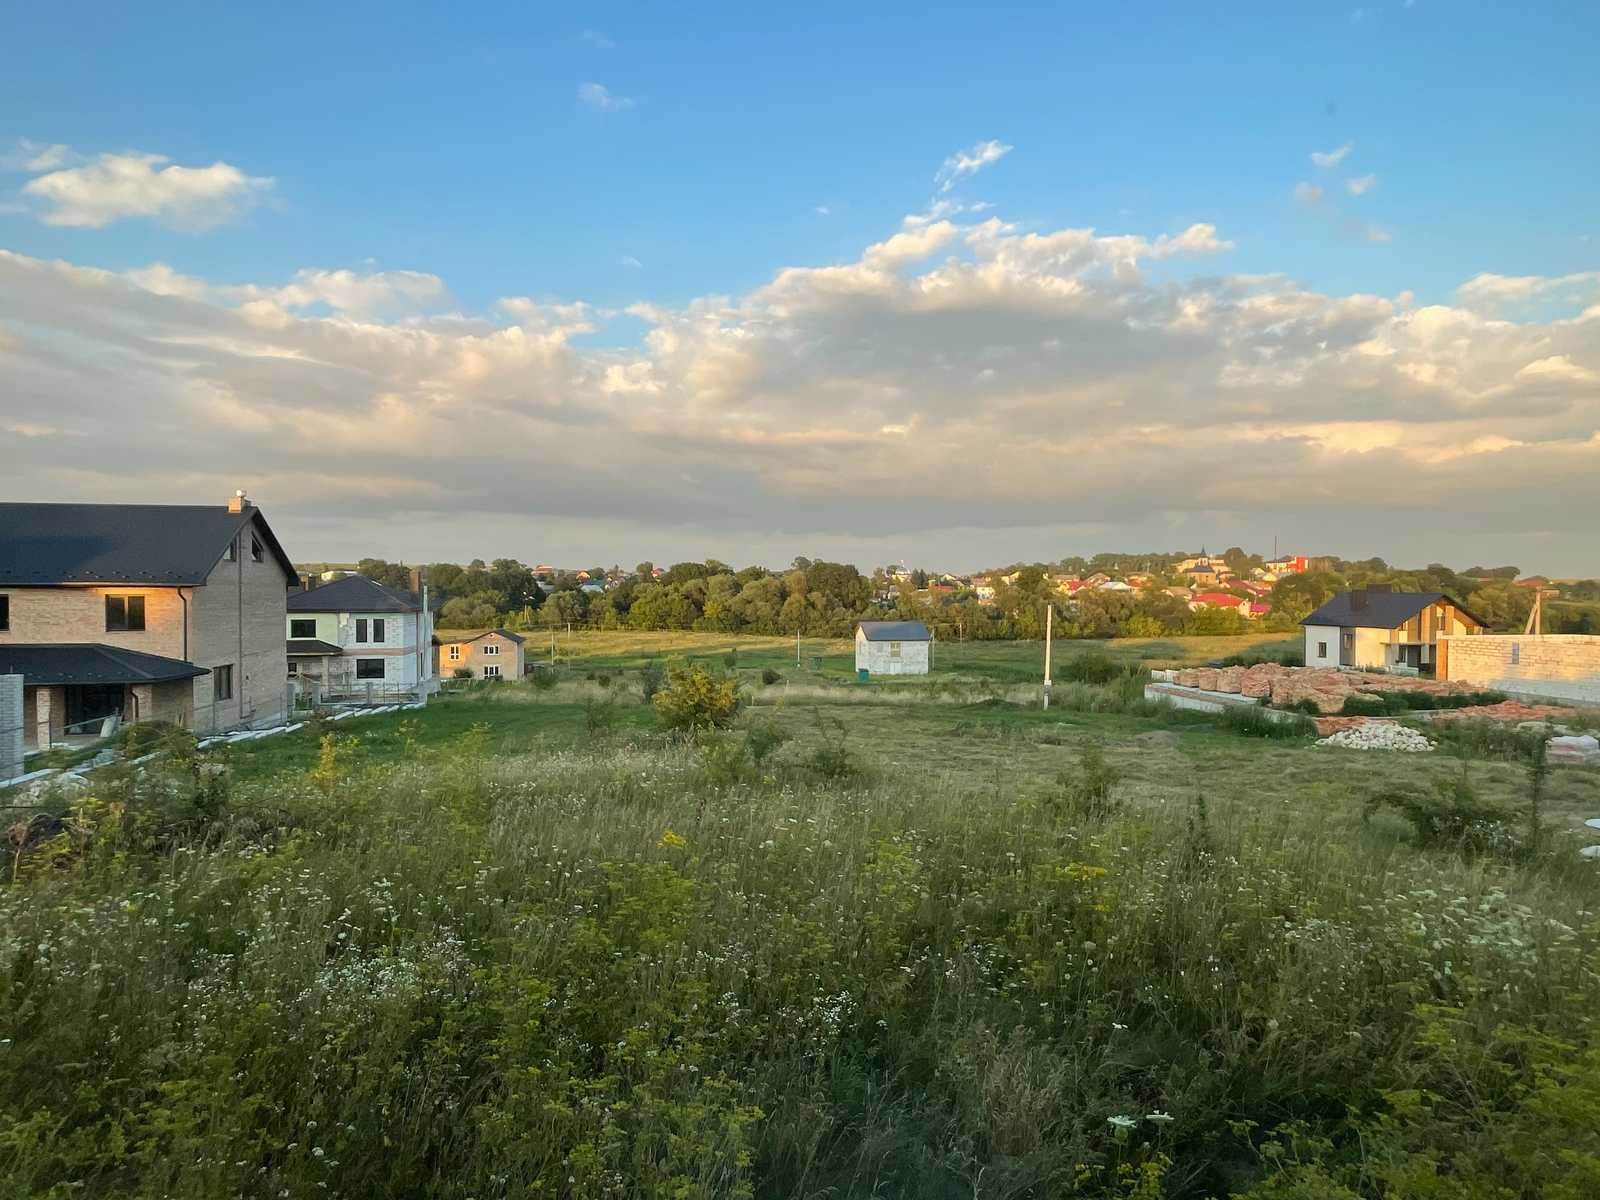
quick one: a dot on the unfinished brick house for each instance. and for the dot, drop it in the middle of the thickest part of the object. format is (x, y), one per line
(132, 612)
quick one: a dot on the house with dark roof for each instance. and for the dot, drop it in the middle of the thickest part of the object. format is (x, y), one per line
(133, 612)
(1378, 629)
(354, 636)
(475, 654)
(893, 648)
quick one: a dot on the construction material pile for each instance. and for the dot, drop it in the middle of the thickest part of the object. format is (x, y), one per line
(1581, 751)
(1326, 688)
(1378, 735)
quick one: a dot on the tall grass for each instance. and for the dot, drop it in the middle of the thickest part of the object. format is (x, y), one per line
(643, 971)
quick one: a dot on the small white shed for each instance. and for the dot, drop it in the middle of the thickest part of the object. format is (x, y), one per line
(893, 647)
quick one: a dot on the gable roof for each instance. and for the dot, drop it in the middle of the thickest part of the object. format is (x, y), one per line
(91, 663)
(461, 637)
(895, 631)
(171, 545)
(353, 593)
(1378, 610)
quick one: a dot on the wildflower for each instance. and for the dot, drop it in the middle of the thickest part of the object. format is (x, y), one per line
(671, 841)
(1121, 1122)
(1159, 1117)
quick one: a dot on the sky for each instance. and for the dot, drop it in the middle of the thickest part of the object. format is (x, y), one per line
(948, 285)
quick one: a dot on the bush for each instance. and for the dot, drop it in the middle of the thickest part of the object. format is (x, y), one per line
(832, 759)
(1291, 657)
(770, 676)
(1450, 814)
(599, 716)
(650, 680)
(1094, 666)
(763, 740)
(1254, 721)
(1086, 789)
(135, 741)
(731, 659)
(695, 701)
(1485, 740)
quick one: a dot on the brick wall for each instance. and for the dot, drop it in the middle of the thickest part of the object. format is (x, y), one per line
(10, 726)
(238, 619)
(1561, 666)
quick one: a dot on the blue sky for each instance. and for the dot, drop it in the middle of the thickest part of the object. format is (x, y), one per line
(652, 155)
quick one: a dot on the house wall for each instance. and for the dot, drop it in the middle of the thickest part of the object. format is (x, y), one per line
(78, 614)
(237, 619)
(11, 728)
(1322, 635)
(1560, 666)
(475, 655)
(878, 657)
(406, 649)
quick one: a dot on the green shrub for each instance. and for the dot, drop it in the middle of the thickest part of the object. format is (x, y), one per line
(1448, 814)
(763, 740)
(1092, 666)
(769, 676)
(722, 759)
(694, 700)
(650, 679)
(1483, 739)
(731, 659)
(599, 716)
(1254, 721)
(1086, 789)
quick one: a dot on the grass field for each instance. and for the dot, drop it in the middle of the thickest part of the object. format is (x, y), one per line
(909, 939)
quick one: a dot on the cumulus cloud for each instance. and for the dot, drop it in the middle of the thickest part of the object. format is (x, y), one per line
(600, 98)
(1327, 159)
(1491, 293)
(969, 162)
(115, 187)
(956, 386)
(1361, 184)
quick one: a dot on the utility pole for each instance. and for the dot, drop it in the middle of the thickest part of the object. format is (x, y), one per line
(797, 649)
(1049, 629)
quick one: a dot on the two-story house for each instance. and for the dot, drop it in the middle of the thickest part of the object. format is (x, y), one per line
(354, 636)
(492, 654)
(142, 612)
(1377, 628)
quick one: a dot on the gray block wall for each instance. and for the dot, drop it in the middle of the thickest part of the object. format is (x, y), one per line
(10, 726)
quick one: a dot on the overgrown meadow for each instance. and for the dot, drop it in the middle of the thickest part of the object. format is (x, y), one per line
(769, 954)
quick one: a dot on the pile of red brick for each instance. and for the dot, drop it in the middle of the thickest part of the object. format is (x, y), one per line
(1327, 689)
(1510, 711)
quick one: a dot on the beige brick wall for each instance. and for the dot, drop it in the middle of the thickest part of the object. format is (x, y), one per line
(78, 614)
(1562, 666)
(238, 619)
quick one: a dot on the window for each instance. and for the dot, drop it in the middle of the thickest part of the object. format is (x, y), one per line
(1322, 649)
(5, 611)
(255, 549)
(369, 668)
(361, 629)
(491, 671)
(294, 667)
(491, 648)
(894, 649)
(124, 614)
(303, 627)
(232, 553)
(1516, 653)
(455, 653)
(222, 682)
(377, 630)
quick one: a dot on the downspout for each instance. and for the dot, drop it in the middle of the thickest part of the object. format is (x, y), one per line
(185, 600)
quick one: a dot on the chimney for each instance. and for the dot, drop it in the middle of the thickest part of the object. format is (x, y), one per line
(307, 582)
(416, 581)
(1358, 600)
(238, 502)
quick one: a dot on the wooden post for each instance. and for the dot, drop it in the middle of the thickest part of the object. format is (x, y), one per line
(1049, 629)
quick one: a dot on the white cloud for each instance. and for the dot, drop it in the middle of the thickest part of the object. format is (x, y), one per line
(969, 162)
(1308, 194)
(31, 156)
(600, 98)
(759, 420)
(1361, 184)
(1332, 158)
(629, 260)
(115, 187)
(822, 210)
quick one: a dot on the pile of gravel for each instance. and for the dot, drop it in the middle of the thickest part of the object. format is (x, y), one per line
(1379, 735)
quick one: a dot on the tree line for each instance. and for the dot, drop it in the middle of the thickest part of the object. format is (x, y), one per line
(816, 598)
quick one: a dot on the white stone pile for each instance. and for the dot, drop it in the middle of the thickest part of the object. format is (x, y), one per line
(1379, 735)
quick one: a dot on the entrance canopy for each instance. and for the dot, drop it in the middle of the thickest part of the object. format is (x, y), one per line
(94, 663)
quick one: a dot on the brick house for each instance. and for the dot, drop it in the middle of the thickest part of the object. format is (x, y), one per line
(1377, 628)
(140, 612)
(492, 654)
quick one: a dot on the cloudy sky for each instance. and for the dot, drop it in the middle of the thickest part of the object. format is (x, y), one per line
(951, 285)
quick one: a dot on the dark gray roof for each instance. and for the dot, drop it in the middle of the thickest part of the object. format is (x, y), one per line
(353, 593)
(895, 631)
(171, 545)
(90, 662)
(299, 646)
(1377, 610)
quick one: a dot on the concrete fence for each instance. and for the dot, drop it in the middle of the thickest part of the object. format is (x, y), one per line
(1554, 666)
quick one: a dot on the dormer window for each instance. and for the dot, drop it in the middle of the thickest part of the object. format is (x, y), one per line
(255, 549)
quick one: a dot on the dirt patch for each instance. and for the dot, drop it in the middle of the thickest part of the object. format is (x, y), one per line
(1155, 738)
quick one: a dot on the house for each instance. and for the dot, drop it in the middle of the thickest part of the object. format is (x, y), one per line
(983, 588)
(355, 636)
(1375, 628)
(1113, 585)
(492, 654)
(1225, 600)
(138, 612)
(893, 647)
(1295, 564)
(1204, 572)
